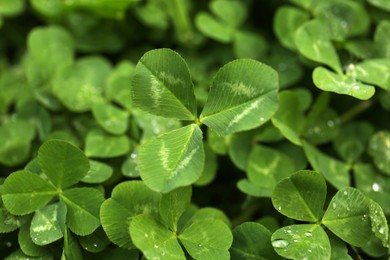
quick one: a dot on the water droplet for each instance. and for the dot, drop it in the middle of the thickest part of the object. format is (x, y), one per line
(288, 231)
(308, 234)
(345, 193)
(382, 230)
(295, 240)
(200, 245)
(334, 205)
(309, 250)
(356, 87)
(163, 253)
(262, 119)
(375, 187)
(146, 235)
(133, 156)
(95, 245)
(280, 243)
(348, 209)
(280, 208)
(330, 123)
(155, 246)
(317, 130)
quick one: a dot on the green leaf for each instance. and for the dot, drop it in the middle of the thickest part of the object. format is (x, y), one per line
(379, 149)
(252, 189)
(152, 125)
(130, 167)
(352, 139)
(313, 41)
(162, 85)
(173, 159)
(373, 184)
(301, 196)
(329, 81)
(8, 222)
(343, 18)
(154, 239)
(379, 223)
(95, 242)
(334, 171)
(24, 192)
(210, 167)
(304, 241)
(374, 71)
(71, 250)
(289, 119)
(339, 249)
(173, 205)
(80, 86)
(128, 199)
(348, 216)
(207, 214)
(252, 241)
(117, 87)
(385, 5)
(213, 28)
(11, 8)
(83, 209)
(28, 246)
(287, 20)
(249, 45)
(48, 224)
(382, 40)
(101, 145)
(49, 49)
(207, 239)
(243, 96)
(15, 137)
(63, 163)
(240, 147)
(233, 13)
(219, 144)
(111, 118)
(98, 173)
(267, 166)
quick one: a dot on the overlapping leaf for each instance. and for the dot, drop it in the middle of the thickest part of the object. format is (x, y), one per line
(243, 96)
(173, 159)
(162, 85)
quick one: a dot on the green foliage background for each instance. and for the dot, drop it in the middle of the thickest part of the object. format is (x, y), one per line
(194, 129)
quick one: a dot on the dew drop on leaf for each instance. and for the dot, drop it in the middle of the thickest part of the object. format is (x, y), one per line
(382, 230)
(375, 187)
(155, 246)
(334, 205)
(280, 243)
(308, 234)
(345, 193)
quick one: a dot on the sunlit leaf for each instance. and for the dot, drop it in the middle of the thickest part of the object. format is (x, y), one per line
(98, 173)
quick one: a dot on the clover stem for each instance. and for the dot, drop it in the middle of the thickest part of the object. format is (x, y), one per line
(355, 111)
